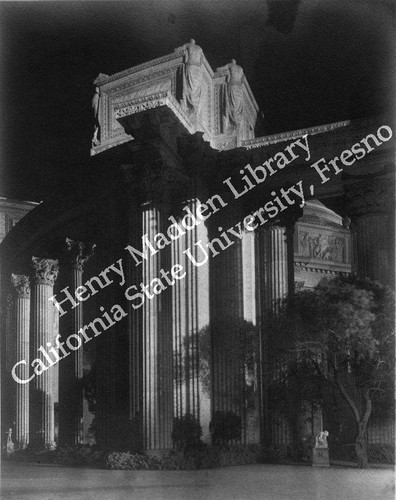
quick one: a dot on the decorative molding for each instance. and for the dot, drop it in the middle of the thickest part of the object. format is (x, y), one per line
(140, 67)
(157, 84)
(45, 271)
(294, 134)
(301, 266)
(21, 284)
(152, 101)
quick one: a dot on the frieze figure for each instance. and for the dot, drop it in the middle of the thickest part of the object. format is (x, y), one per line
(322, 247)
(192, 75)
(232, 97)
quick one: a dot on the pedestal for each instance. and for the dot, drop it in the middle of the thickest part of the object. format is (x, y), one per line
(320, 457)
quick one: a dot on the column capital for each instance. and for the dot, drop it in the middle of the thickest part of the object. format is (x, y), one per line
(21, 284)
(79, 252)
(45, 271)
(369, 196)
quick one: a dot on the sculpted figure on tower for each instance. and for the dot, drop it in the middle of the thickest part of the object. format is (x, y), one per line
(232, 97)
(192, 74)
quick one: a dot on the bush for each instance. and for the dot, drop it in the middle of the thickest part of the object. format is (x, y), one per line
(225, 426)
(200, 457)
(381, 453)
(186, 432)
(134, 461)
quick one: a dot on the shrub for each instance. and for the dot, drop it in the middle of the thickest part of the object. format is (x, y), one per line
(225, 426)
(200, 457)
(134, 461)
(186, 432)
(381, 453)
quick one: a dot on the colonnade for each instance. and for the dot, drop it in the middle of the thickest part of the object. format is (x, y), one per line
(246, 282)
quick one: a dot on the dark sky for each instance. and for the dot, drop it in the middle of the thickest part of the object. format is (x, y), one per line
(308, 63)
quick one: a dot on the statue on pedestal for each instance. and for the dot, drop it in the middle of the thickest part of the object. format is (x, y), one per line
(320, 454)
(233, 97)
(321, 440)
(10, 444)
(192, 75)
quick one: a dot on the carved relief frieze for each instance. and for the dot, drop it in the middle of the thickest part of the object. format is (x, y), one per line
(321, 246)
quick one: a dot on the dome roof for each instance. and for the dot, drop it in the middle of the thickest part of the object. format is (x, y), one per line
(315, 212)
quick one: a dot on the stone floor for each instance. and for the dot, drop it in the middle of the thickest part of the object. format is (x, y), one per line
(272, 482)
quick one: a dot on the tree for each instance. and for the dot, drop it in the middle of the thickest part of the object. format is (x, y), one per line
(342, 332)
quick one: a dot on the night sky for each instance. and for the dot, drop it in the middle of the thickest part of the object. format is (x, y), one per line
(308, 62)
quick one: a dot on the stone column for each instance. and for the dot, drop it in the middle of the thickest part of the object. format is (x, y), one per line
(227, 324)
(45, 272)
(7, 361)
(21, 331)
(190, 310)
(370, 206)
(71, 367)
(150, 325)
(157, 379)
(274, 267)
(275, 250)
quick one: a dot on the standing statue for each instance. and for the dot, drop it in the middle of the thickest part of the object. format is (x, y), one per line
(321, 439)
(192, 75)
(10, 444)
(96, 111)
(232, 97)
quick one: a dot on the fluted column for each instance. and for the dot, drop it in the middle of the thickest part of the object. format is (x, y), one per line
(157, 346)
(227, 324)
(150, 325)
(71, 367)
(276, 280)
(370, 205)
(190, 319)
(272, 287)
(185, 328)
(21, 330)
(45, 272)
(151, 339)
(274, 266)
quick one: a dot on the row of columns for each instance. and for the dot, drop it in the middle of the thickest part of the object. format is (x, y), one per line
(32, 332)
(168, 323)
